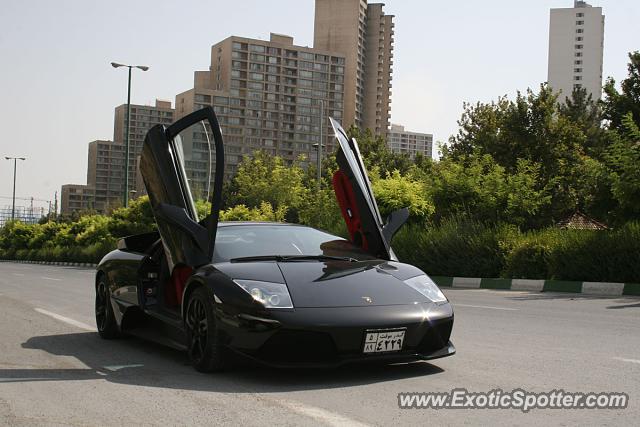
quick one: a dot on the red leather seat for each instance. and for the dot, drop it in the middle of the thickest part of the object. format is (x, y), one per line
(179, 278)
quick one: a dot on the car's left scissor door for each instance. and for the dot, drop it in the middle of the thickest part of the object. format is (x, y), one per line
(167, 152)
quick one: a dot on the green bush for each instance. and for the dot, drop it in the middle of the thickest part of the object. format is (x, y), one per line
(580, 255)
(458, 247)
(15, 235)
(323, 212)
(600, 256)
(528, 260)
(396, 192)
(264, 212)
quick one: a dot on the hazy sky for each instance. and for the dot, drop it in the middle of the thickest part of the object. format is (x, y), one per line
(59, 91)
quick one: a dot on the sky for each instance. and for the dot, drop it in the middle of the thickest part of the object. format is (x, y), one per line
(59, 91)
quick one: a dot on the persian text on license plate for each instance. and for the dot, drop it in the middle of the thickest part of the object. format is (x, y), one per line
(383, 340)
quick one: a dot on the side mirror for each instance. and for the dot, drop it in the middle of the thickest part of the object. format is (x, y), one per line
(394, 222)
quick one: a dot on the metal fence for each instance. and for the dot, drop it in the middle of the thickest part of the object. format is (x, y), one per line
(27, 214)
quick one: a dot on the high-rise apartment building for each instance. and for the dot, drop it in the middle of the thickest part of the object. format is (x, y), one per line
(105, 173)
(364, 34)
(105, 167)
(402, 141)
(268, 95)
(143, 118)
(105, 181)
(576, 44)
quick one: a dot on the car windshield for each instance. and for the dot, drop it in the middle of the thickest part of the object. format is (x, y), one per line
(242, 241)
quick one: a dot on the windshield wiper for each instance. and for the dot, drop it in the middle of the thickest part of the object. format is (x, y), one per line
(290, 258)
(318, 258)
(257, 258)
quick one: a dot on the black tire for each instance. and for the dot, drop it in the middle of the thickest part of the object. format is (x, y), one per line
(105, 319)
(206, 352)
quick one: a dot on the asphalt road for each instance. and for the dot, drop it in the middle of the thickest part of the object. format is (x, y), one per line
(55, 370)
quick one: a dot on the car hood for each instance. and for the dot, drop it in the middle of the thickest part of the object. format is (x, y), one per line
(314, 284)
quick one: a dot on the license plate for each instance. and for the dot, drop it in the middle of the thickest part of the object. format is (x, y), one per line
(383, 340)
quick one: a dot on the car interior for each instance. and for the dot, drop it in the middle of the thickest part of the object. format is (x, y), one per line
(160, 289)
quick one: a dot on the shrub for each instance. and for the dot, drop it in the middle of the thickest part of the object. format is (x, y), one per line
(16, 235)
(322, 211)
(96, 230)
(528, 260)
(263, 213)
(396, 192)
(606, 256)
(44, 234)
(580, 255)
(458, 247)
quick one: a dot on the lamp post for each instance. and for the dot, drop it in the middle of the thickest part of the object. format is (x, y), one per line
(125, 194)
(320, 145)
(15, 162)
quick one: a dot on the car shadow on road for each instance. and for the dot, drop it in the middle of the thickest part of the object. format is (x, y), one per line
(134, 361)
(617, 307)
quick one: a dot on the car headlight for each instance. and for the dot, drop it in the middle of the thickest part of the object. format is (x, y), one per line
(271, 295)
(426, 287)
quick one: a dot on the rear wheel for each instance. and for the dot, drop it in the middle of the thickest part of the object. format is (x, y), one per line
(105, 319)
(206, 352)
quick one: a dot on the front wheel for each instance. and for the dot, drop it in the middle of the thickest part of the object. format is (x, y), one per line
(105, 319)
(206, 352)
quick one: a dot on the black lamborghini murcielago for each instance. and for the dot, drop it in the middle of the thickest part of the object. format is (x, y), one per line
(284, 295)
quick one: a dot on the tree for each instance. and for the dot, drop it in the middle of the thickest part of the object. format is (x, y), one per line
(534, 128)
(395, 192)
(321, 210)
(376, 152)
(581, 110)
(265, 178)
(623, 158)
(483, 191)
(616, 105)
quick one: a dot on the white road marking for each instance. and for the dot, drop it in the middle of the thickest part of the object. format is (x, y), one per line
(319, 414)
(485, 306)
(66, 320)
(622, 359)
(18, 274)
(114, 368)
(50, 278)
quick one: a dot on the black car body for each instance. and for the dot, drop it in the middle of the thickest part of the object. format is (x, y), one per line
(282, 294)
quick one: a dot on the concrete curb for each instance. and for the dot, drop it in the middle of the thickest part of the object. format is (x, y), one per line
(57, 263)
(587, 288)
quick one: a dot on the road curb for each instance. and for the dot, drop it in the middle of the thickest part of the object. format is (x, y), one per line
(587, 288)
(57, 263)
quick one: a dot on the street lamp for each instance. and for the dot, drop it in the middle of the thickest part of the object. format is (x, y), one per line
(320, 145)
(318, 148)
(126, 144)
(15, 162)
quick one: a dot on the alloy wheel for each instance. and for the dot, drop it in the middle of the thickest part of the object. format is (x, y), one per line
(101, 305)
(198, 329)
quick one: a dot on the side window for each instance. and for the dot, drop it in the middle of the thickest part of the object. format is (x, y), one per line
(194, 151)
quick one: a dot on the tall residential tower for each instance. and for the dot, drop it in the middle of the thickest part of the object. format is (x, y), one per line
(576, 43)
(364, 34)
(272, 96)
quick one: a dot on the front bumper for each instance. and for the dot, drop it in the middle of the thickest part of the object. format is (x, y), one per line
(330, 337)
